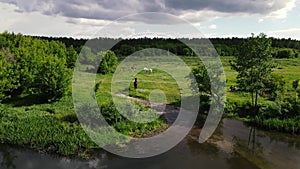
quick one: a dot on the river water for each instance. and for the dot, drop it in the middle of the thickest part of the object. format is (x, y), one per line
(231, 147)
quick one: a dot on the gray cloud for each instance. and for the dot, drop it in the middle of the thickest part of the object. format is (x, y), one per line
(113, 9)
(229, 6)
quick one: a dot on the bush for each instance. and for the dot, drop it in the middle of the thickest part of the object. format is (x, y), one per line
(110, 113)
(108, 63)
(268, 111)
(231, 107)
(201, 81)
(126, 126)
(290, 108)
(284, 53)
(31, 66)
(274, 87)
(54, 78)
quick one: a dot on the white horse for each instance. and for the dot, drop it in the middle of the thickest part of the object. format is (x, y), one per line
(148, 70)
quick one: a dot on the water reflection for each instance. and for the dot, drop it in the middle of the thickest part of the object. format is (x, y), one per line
(233, 146)
(7, 158)
(262, 148)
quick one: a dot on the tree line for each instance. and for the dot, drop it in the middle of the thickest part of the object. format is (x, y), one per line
(43, 65)
(281, 48)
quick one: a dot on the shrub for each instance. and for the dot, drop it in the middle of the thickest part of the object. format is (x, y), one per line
(31, 66)
(54, 78)
(126, 126)
(284, 53)
(108, 63)
(290, 108)
(230, 107)
(267, 111)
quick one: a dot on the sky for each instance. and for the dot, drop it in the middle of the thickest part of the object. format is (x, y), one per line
(213, 18)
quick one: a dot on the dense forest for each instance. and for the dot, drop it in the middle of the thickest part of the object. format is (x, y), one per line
(282, 48)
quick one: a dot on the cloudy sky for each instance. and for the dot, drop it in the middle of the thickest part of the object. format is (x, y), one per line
(214, 18)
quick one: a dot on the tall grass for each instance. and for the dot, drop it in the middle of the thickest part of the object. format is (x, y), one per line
(43, 130)
(291, 125)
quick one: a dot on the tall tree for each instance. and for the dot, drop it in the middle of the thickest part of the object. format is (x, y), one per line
(253, 64)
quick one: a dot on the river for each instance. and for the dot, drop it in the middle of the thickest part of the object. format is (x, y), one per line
(230, 147)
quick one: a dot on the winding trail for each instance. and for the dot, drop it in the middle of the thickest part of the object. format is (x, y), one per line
(167, 111)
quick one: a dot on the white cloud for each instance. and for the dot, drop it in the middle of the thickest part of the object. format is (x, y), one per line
(202, 16)
(293, 33)
(229, 35)
(261, 20)
(282, 12)
(197, 24)
(90, 22)
(213, 26)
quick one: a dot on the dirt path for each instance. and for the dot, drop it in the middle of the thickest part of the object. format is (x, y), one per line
(168, 111)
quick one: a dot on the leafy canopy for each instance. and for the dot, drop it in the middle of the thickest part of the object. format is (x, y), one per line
(253, 64)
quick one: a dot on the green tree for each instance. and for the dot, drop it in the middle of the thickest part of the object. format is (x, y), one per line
(186, 52)
(86, 56)
(71, 57)
(54, 77)
(9, 79)
(31, 66)
(274, 87)
(283, 53)
(108, 63)
(253, 64)
(202, 79)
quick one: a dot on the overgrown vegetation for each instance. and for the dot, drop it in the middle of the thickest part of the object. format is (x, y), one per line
(260, 89)
(36, 108)
(254, 66)
(116, 119)
(47, 127)
(30, 66)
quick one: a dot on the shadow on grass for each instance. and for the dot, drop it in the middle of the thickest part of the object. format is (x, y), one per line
(27, 100)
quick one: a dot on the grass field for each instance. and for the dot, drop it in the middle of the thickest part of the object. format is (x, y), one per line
(53, 127)
(160, 80)
(288, 68)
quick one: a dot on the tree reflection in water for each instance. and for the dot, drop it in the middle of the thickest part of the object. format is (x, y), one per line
(7, 158)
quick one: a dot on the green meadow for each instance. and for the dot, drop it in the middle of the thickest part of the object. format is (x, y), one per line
(54, 127)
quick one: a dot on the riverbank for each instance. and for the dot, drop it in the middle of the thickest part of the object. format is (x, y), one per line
(288, 126)
(227, 148)
(54, 128)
